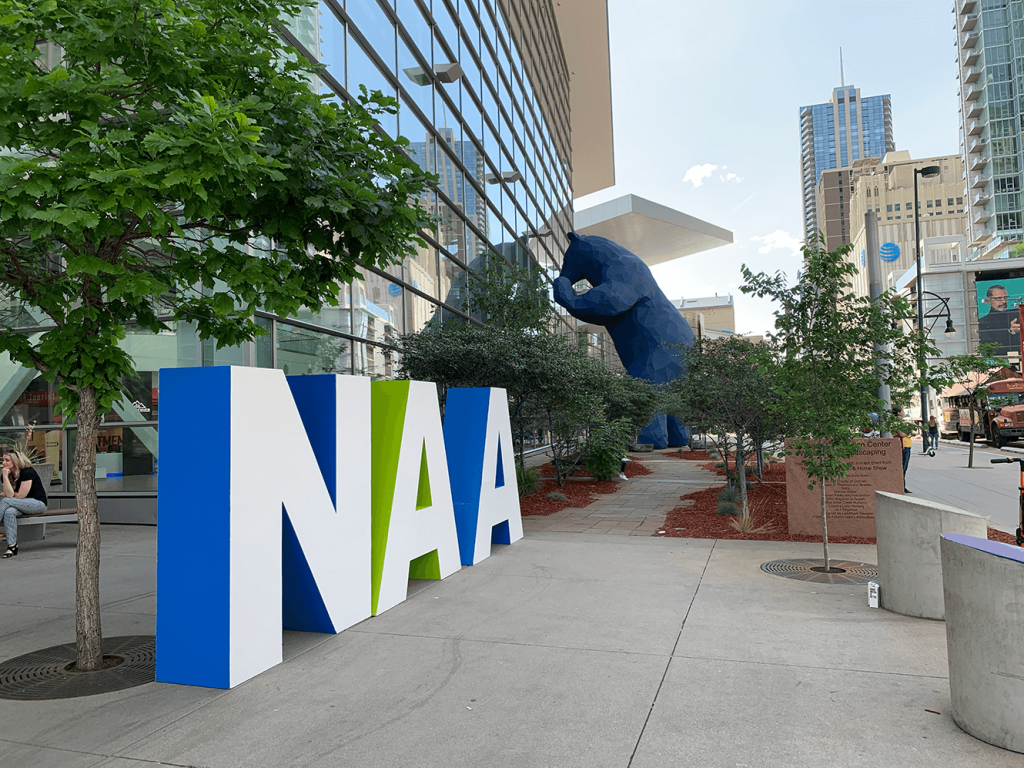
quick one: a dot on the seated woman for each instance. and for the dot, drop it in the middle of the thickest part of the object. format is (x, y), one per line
(21, 493)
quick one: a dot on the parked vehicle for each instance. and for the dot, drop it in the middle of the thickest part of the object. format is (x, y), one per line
(1004, 414)
(998, 418)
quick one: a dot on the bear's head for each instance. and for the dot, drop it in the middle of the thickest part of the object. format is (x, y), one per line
(589, 256)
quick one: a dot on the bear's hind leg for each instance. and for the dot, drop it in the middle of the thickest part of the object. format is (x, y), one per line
(678, 435)
(655, 433)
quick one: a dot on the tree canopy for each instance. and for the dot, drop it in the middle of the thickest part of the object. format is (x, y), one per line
(835, 347)
(169, 161)
(730, 387)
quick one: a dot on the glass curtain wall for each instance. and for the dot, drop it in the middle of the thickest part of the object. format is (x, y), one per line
(496, 138)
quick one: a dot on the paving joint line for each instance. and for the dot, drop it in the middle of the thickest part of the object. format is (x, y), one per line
(675, 645)
(510, 642)
(811, 666)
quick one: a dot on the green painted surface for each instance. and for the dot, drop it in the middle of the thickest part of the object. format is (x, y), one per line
(423, 489)
(388, 403)
(426, 566)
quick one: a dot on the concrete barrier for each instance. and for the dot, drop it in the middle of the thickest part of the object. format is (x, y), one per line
(983, 584)
(909, 564)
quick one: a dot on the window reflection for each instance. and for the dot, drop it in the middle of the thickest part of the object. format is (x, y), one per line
(127, 458)
(371, 21)
(330, 45)
(362, 71)
(301, 351)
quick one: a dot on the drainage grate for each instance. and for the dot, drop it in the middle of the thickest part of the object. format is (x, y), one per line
(45, 675)
(812, 570)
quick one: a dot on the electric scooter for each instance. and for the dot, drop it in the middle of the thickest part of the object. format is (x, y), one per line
(1020, 519)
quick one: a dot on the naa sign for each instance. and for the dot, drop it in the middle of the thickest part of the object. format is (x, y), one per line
(314, 507)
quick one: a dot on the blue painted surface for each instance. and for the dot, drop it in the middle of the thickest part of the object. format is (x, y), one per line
(302, 607)
(316, 399)
(997, 548)
(499, 479)
(193, 595)
(500, 534)
(465, 428)
(644, 325)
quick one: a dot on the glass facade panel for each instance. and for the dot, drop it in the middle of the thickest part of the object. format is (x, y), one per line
(330, 45)
(127, 457)
(302, 351)
(469, 133)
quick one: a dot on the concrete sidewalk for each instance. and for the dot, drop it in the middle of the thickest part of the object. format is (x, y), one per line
(564, 649)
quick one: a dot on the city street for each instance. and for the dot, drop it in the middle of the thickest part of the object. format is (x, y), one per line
(987, 489)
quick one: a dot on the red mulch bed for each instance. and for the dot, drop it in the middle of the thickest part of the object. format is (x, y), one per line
(767, 509)
(1006, 538)
(689, 455)
(772, 472)
(635, 468)
(579, 493)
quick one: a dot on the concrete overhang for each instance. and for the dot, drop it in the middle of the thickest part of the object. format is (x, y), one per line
(583, 27)
(655, 233)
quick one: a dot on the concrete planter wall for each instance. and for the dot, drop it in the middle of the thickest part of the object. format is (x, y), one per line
(983, 584)
(909, 563)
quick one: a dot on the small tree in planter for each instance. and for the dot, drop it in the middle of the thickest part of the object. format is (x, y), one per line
(834, 346)
(728, 389)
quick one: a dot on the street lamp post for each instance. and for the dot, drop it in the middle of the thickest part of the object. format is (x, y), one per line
(929, 172)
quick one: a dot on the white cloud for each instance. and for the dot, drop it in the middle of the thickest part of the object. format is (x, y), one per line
(697, 173)
(730, 177)
(779, 239)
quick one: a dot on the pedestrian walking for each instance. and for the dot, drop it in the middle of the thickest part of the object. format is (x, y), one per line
(905, 438)
(933, 432)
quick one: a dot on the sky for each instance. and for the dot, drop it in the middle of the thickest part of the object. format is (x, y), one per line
(705, 102)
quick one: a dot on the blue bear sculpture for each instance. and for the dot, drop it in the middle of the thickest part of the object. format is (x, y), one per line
(641, 320)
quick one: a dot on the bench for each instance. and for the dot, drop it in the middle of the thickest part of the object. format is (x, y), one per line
(38, 523)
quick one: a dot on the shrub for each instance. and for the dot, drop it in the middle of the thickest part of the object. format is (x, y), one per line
(726, 508)
(715, 455)
(719, 465)
(557, 496)
(730, 495)
(608, 444)
(528, 480)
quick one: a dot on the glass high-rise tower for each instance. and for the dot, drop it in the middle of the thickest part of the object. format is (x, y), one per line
(990, 37)
(836, 134)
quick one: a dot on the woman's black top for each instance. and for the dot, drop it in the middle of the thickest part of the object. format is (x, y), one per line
(37, 491)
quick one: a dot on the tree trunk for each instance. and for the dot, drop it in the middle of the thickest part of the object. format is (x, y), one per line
(824, 526)
(88, 632)
(725, 458)
(555, 452)
(970, 452)
(741, 471)
(760, 462)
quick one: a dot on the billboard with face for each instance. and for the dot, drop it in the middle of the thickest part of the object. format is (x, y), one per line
(998, 301)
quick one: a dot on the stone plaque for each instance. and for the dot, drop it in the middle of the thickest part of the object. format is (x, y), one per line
(850, 503)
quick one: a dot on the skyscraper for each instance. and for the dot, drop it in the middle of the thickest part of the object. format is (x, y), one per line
(836, 134)
(988, 34)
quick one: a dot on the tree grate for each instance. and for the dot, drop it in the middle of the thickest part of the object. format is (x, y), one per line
(45, 674)
(812, 570)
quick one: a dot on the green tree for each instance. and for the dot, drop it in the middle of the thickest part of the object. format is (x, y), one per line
(550, 381)
(834, 346)
(635, 401)
(971, 373)
(145, 147)
(729, 387)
